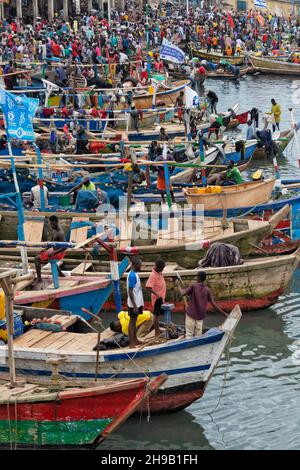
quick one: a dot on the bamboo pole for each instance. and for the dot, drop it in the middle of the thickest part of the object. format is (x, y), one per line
(6, 284)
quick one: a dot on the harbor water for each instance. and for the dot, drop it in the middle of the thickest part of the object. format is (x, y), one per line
(253, 399)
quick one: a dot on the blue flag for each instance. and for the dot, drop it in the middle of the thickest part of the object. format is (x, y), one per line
(18, 112)
(172, 53)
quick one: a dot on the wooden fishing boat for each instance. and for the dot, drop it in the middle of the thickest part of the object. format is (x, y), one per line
(180, 75)
(273, 66)
(99, 125)
(283, 248)
(282, 142)
(186, 175)
(231, 196)
(188, 246)
(40, 417)
(254, 285)
(72, 294)
(166, 97)
(221, 75)
(216, 57)
(189, 363)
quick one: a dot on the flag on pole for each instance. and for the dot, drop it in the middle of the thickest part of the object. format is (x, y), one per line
(18, 112)
(169, 51)
(192, 99)
(260, 4)
(230, 21)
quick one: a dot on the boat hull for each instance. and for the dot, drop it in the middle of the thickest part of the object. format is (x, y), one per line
(189, 364)
(66, 422)
(282, 143)
(168, 97)
(216, 58)
(253, 285)
(273, 66)
(233, 197)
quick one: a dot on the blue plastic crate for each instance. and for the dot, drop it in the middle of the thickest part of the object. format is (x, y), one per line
(18, 327)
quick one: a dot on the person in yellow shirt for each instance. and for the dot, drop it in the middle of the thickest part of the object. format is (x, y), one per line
(144, 323)
(276, 112)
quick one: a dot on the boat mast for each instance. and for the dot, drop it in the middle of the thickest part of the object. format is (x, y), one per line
(6, 284)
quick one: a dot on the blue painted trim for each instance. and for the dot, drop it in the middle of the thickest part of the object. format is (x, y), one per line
(128, 375)
(208, 338)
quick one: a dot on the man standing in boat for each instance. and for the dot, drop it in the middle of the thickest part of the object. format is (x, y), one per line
(135, 299)
(200, 296)
(156, 284)
(276, 113)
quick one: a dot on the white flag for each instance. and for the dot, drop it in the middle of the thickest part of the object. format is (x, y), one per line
(169, 51)
(260, 4)
(192, 99)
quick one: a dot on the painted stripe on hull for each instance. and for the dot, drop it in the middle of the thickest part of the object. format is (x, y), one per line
(45, 433)
(246, 304)
(128, 375)
(212, 336)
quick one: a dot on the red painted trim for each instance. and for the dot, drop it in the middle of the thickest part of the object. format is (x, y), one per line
(246, 304)
(59, 293)
(108, 405)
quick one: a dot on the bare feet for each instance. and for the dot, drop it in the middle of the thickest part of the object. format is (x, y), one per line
(136, 344)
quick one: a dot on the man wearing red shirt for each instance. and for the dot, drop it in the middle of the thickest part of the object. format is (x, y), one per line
(56, 49)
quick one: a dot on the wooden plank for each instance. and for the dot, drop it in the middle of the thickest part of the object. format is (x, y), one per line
(91, 342)
(31, 337)
(33, 230)
(63, 339)
(64, 283)
(79, 235)
(81, 268)
(83, 342)
(126, 230)
(49, 339)
(23, 284)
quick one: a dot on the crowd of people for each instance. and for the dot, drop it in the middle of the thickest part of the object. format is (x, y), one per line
(90, 39)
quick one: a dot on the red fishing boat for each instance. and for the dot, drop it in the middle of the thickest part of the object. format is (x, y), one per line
(35, 416)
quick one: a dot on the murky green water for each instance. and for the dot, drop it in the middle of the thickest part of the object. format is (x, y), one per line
(259, 406)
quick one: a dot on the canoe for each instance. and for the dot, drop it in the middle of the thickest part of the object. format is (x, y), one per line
(178, 75)
(189, 363)
(230, 197)
(100, 125)
(41, 417)
(186, 175)
(161, 236)
(283, 248)
(228, 76)
(273, 66)
(174, 129)
(166, 97)
(72, 294)
(254, 285)
(216, 57)
(282, 142)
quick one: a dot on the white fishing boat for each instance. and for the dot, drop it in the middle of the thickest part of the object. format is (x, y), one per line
(189, 363)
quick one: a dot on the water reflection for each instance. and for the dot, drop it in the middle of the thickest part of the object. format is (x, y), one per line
(174, 432)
